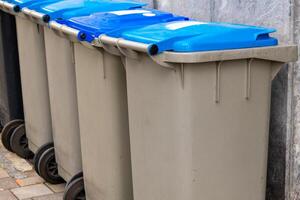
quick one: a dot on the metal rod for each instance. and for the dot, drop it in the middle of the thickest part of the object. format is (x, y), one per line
(2, 4)
(8, 6)
(36, 16)
(136, 46)
(64, 30)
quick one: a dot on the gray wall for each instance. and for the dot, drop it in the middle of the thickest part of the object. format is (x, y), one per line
(294, 138)
(284, 15)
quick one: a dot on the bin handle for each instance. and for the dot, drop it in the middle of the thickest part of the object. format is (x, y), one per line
(136, 46)
(110, 49)
(11, 8)
(133, 49)
(127, 52)
(130, 54)
(64, 31)
(107, 46)
(36, 16)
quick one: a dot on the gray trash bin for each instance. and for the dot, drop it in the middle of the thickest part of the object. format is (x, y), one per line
(34, 83)
(55, 58)
(102, 102)
(33, 70)
(59, 45)
(199, 111)
(10, 84)
(11, 105)
(33, 78)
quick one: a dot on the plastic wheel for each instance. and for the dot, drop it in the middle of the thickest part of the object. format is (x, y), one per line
(38, 155)
(47, 167)
(75, 190)
(8, 130)
(19, 143)
(79, 175)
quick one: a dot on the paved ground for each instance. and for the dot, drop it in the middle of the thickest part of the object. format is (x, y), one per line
(19, 181)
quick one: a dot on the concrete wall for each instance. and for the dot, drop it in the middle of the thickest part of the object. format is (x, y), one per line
(284, 15)
(294, 139)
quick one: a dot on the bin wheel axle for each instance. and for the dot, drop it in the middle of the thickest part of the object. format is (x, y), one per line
(19, 143)
(7, 132)
(75, 190)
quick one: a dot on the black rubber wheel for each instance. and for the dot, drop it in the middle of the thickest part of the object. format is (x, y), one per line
(19, 143)
(47, 167)
(75, 190)
(38, 155)
(79, 175)
(8, 130)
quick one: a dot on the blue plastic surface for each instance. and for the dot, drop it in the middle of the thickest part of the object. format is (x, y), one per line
(113, 23)
(192, 36)
(66, 9)
(19, 4)
(70, 8)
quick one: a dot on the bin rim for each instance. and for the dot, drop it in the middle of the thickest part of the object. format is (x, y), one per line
(281, 53)
(9, 8)
(278, 53)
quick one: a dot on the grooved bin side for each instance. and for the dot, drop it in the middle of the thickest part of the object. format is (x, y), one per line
(34, 83)
(187, 145)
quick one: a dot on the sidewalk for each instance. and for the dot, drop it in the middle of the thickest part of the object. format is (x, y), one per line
(18, 180)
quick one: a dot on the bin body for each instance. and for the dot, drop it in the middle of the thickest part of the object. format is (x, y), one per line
(199, 111)
(63, 99)
(10, 84)
(62, 81)
(200, 130)
(103, 119)
(102, 101)
(185, 144)
(34, 83)
(58, 73)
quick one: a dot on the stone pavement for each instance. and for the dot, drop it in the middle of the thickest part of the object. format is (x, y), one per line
(18, 180)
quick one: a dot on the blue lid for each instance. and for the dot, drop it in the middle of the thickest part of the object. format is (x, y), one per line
(65, 9)
(191, 36)
(19, 4)
(114, 22)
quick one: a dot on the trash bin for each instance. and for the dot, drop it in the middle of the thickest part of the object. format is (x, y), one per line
(199, 110)
(102, 102)
(34, 83)
(11, 108)
(61, 79)
(31, 27)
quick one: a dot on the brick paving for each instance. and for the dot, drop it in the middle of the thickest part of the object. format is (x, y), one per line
(18, 181)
